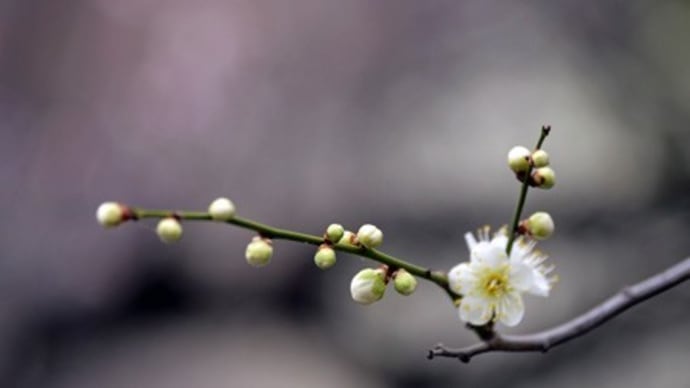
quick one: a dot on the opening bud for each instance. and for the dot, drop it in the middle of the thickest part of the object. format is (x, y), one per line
(544, 178)
(540, 225)
(368, 286)
(518, 159)
(404, 282)
(169, 230)
(370, 236)
(334, 233)
(324, 257)
(222, 209)
(540, 158)
(259, 252)
(110, 214)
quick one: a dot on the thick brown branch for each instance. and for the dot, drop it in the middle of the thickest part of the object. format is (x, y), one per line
(547, 339)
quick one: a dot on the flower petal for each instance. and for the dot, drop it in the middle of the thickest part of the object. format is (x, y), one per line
(475, 310)
(500, 241)
(470, 240)
(540, 284)
(522, 248)
(521, 276)
(462, 279)
(510, 309)
(489, 254)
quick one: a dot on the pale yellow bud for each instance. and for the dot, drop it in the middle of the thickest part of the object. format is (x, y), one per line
(334, 232)
(540, 158)
(324, 257)
(518, 159)
(540, 225)
(349, 238)
(404, 282)
(370, 236)
(169, 230)
(110, 214)
(259, 252)
(222, 209)
(545, 178)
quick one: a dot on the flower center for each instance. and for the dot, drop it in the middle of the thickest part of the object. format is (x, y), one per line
(496, 282)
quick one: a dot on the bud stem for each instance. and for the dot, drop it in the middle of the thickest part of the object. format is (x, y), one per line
(523, 194)
(437, 277)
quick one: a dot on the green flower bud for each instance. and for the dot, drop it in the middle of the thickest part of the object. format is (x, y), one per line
(540, 158)
(545, 178)
(368, 286)
(404, 282)
(324, 257)
(518, 159)
(348, 238)
(169, 230)
(222, 209)
(369, 236)
(110, 214)
(259, 252)
(540, 225)
(334, 233)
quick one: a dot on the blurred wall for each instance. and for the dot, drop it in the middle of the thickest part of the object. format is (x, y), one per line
(310, 112)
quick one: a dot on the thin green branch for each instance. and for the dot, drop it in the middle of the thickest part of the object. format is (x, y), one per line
(523, 194)
(437, 277)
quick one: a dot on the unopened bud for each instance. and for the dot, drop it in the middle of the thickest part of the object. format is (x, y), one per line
(334, 233)
(404, 282)
(540, 158)
(110, 214)
(540, 225)
(349, 238)
(518, 159)
(169, 230)
(370, 236)
(222, 209)
(368, 286)
(545, 178)
(324, 257)
(259, 252)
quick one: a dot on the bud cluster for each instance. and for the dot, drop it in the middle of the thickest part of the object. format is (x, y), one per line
(369, 285)
(523, 161)
(169, 229)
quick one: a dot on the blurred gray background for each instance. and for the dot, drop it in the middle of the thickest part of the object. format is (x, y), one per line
(307, 112)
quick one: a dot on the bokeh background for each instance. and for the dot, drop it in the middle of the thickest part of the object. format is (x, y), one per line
(308, 112)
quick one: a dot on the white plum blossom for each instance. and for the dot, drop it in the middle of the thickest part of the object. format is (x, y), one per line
(492, 283)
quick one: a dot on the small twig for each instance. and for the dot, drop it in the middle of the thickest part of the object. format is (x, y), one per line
(545, 130)
(547, 339)
(437, 277)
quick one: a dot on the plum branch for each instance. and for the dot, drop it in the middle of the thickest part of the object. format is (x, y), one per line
(486, 289)
(544, 340)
